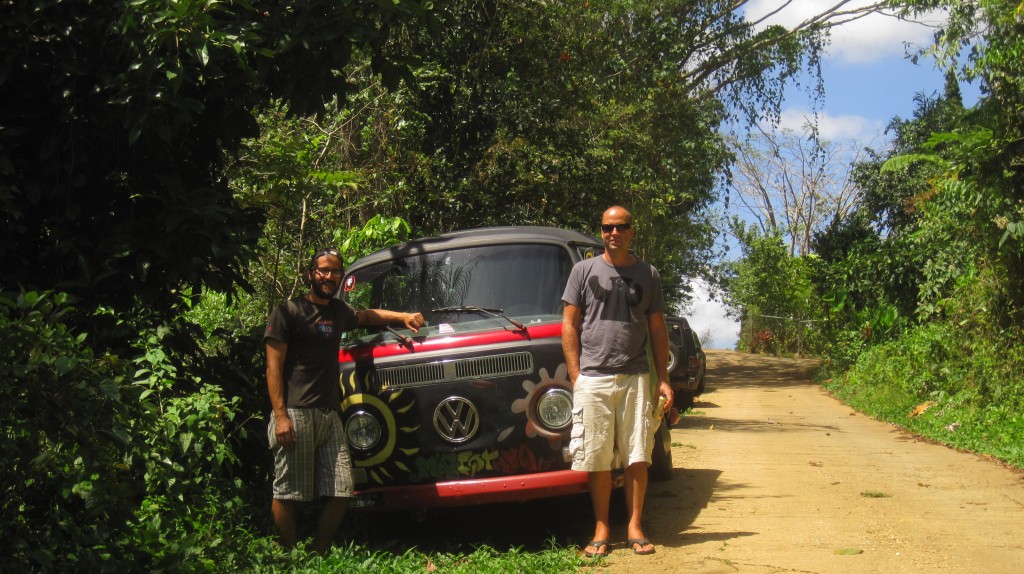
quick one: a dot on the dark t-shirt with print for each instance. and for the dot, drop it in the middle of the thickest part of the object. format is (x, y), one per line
(313, 335)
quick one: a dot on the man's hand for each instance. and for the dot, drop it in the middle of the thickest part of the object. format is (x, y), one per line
(284, 430)
(666, 389)
(413, 321)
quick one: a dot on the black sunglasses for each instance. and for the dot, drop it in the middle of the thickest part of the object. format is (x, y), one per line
(620, 227)
(328, 271)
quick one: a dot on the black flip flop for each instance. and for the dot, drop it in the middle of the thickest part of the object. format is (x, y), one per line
(633, 542)
(596, 544)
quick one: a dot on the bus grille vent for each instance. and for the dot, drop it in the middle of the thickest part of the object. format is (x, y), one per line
(456, 370)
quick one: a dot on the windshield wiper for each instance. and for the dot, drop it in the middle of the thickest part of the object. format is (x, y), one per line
(482, 311)
(401, 338)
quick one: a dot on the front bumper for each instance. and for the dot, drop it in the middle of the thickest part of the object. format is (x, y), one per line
(518, 488)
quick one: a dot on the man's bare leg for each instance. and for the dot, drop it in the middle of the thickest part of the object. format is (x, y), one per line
(636, 490)
(327, 525)
(284, 519)
(600, 499)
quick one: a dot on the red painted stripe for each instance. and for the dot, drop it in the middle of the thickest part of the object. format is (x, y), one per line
(519, 488)
(440, 343)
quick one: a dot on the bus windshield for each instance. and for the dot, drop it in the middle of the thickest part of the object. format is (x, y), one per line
(522, 281)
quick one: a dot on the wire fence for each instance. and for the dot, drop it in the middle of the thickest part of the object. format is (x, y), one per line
(775, 335)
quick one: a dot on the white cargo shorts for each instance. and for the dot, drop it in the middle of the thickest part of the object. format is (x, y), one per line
(612, 422)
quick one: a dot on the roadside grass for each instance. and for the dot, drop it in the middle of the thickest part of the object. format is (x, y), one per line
(874, 494)
(848, 551)
(357, 559)
(937, 383)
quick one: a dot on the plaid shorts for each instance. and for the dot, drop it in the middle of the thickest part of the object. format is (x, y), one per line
(318, 464)
(612, 422)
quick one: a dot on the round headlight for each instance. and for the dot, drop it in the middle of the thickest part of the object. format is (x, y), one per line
(554, 409)
(363, 430)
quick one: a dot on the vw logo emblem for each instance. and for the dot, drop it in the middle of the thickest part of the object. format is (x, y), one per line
(456, 420)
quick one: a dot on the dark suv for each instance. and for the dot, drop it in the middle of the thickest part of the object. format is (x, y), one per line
(686, 362)
(477, 406)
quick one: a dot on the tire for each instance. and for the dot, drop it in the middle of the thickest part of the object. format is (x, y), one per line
(673, 357)
(683, 400)
(661, 459)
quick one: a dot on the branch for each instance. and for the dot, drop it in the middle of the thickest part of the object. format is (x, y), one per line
(698, 75)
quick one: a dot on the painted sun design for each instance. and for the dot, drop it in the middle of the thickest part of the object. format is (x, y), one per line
(534, 390)
(391, 458)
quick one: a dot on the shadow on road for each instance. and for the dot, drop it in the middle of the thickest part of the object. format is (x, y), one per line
(747, 425)
(530, 525)
(740, 370)
(672, 506)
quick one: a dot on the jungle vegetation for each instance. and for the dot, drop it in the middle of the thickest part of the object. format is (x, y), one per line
(913, 294)
(168, 166)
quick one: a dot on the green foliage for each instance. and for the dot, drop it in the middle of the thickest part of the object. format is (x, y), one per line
(292, 173)
(967, 387)
(357, 558)
(895, 260)
(65, 424)
(770, 291)
(511, 562)
(987, 153)
(110, 464)
(532, 113)
(112, 168)
(890, 196)
(922, 285)
(187, 458)
(378, 233)
(224, 321)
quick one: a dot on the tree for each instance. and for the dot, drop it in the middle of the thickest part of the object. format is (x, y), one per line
(935, 252)
(935, 237)
(544, 113)
(769, 290)
(873, 257)
(116, 121)
(984, 164)
(793, 185)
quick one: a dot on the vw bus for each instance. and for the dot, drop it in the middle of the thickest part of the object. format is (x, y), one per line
(476, 407)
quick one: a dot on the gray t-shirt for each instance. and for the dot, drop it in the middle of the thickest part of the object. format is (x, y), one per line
(615, 303)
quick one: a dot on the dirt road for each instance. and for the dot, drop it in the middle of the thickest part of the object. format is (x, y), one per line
(774, 475)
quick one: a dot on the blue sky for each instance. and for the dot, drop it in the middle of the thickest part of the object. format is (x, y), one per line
(868, 81)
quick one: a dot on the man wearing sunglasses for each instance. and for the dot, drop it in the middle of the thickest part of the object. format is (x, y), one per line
(614, 310)
(311, 457)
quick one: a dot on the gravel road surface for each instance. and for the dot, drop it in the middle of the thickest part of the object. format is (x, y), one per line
(774, 475)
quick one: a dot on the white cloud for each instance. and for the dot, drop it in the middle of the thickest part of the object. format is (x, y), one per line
(710, 316)
(834, 128)
(867, 39)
